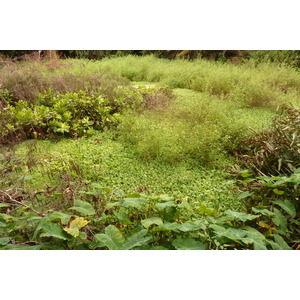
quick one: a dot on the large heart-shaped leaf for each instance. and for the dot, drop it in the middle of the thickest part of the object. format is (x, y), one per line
(136, 240)
(230, 233)
(75, 226)
(255, 237)
(164, 205)
(240, 215)
(167, 227)
(134, 202)
(57, 215)
(83, 207)
(188, 244)
(112, 238)
(189, 226)
(154, 220)
(54, 230)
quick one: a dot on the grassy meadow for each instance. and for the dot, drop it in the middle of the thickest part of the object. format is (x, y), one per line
(168, 128)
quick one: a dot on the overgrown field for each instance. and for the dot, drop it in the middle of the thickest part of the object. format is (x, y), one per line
(148, 153)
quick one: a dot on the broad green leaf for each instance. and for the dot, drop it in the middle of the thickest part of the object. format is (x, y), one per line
(112, 239)
(288, 206)
(4, 205)
(4, 240)
(122, 217)
(281, 242)
(154, 220)
(167, 227)
(134, 202)
(259, 246)
(259, 240)
(188, 244)
(280, 220)
(189, 226)
(164, 205)
(263, 211)
(57, 215)
(136, 240)
(54, 230)
(274, 245)
(240, 215)
(214, 221)
(230, 233)
(75, 226)
(244, 195)
(112, 204)
(83, 207)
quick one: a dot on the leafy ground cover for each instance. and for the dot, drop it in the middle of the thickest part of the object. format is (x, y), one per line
(104, 147)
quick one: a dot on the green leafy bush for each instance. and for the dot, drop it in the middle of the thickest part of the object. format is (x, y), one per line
(75, 114)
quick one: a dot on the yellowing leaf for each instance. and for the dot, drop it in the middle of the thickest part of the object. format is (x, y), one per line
(264, 225)
(75, 226)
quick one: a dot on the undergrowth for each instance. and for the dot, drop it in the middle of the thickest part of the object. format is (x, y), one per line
(99, 217)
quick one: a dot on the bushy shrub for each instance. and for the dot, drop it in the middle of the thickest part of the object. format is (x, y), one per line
(275, 151)
(75, 114)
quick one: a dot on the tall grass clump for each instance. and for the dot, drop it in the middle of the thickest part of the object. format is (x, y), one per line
(254, 85)
(195, 126)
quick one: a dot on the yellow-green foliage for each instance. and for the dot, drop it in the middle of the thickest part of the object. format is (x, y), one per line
(197, 125)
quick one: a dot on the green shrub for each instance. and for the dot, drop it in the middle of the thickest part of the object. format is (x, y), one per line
(78, 113)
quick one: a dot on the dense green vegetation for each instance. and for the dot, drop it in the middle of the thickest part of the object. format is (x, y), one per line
(149, 153)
